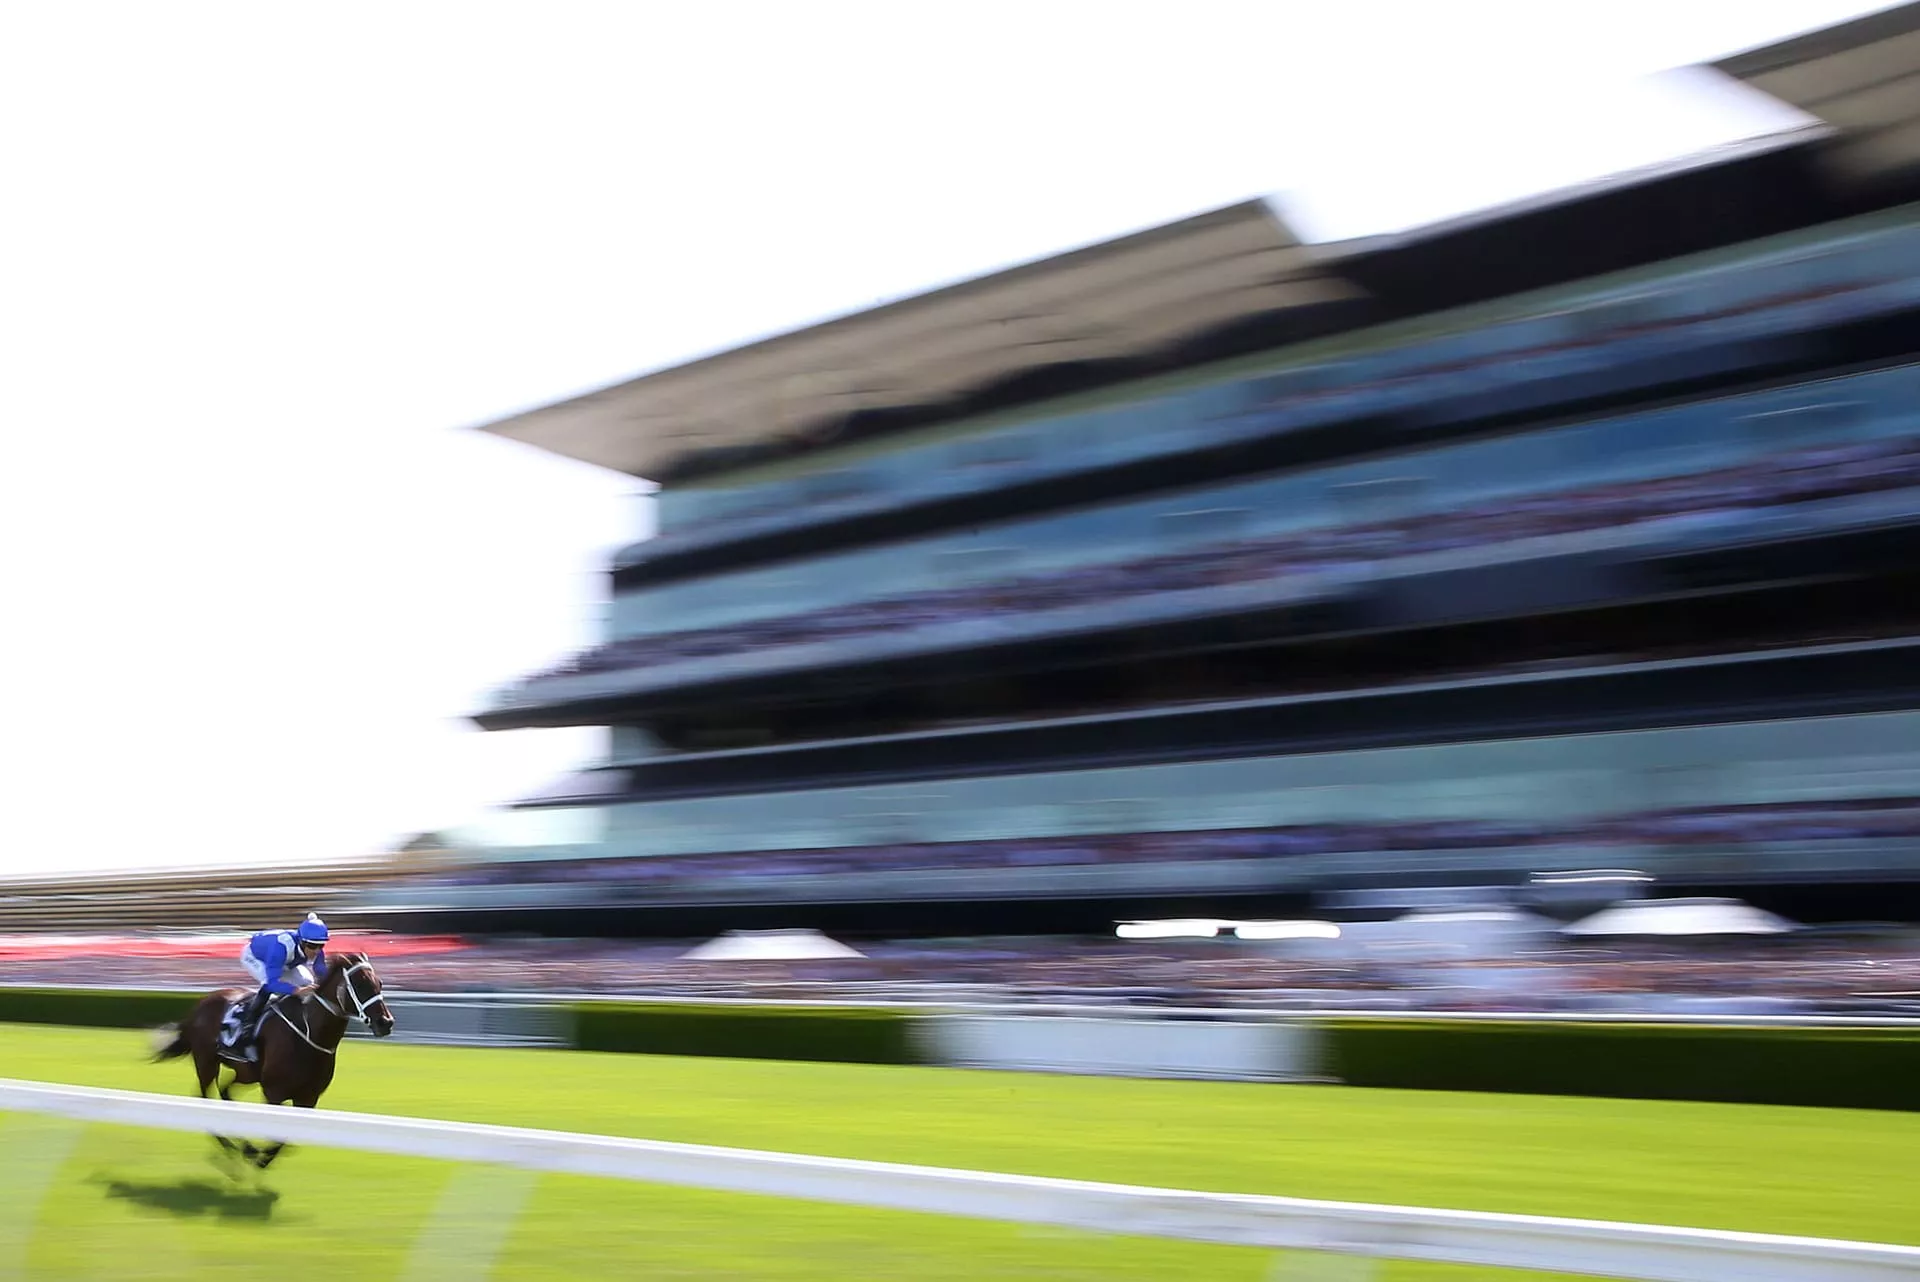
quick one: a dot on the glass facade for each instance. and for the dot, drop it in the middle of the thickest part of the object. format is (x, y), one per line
(1163, 416)
(1655, 443)
(1535, 781)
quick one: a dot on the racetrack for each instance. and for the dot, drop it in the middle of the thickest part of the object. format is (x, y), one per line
(139, 1204)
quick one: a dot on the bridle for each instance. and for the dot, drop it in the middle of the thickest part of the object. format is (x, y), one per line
(361, 1005)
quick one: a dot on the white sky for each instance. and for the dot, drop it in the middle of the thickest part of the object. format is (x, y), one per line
(260, 264)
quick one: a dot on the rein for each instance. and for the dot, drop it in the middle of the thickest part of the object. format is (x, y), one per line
(361, 1005)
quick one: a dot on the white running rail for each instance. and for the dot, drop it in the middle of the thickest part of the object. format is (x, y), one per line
(1589, 1247)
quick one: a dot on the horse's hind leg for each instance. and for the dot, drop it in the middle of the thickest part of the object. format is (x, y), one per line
(206, 1065)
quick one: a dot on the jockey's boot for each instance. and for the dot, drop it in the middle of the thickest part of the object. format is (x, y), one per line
(243, 1043)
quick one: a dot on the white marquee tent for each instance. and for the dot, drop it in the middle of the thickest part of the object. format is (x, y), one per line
(1682, 917)
(770, 945)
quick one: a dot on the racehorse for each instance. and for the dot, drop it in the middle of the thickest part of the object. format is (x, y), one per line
(297, 1043)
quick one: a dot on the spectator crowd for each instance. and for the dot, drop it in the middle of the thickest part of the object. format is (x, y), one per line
(1571, 340)
(1877, 818)
(1774, 481)
(1790, 975)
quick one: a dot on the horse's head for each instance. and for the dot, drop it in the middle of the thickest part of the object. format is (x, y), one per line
(358, 994)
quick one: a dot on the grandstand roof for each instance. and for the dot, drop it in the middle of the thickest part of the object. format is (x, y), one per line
(1237, 280)
(1123, 301)
(1863, 78)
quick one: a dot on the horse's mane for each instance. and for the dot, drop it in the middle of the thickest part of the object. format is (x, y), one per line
(338, 965)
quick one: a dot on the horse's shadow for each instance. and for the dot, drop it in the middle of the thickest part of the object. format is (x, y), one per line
(192, 1198)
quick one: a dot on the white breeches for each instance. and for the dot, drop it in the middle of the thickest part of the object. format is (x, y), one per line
(255, 967)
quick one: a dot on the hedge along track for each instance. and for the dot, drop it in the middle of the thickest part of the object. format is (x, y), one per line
(1833, 1067)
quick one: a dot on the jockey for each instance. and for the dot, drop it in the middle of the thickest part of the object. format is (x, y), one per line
(269, 957)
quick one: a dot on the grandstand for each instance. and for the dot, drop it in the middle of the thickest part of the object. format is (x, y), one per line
(199, 899)
(1205, 572)
(208, 898)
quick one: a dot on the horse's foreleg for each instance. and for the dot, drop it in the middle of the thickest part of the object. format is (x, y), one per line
(271, 1151)
(304, 1101)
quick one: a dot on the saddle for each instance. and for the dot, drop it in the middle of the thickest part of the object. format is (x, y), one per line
(230, 1044)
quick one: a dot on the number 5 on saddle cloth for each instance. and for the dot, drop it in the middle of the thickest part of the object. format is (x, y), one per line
(237, 1031)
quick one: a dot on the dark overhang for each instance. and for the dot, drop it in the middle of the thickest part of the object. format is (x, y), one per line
(1729, 195)
(1862, 78)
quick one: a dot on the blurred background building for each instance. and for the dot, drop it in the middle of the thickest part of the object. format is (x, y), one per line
(1203, 573)
(1564, 554)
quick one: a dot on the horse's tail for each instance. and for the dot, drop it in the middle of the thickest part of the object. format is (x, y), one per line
(170, 1042)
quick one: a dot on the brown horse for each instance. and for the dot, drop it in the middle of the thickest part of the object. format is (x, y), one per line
(297, 1044)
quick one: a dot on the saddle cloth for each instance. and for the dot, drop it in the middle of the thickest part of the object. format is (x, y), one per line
(230, 1021)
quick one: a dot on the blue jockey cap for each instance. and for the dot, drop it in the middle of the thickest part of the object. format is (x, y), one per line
(312, 930)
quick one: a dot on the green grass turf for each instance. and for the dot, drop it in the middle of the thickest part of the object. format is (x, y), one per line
(130, 1203)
